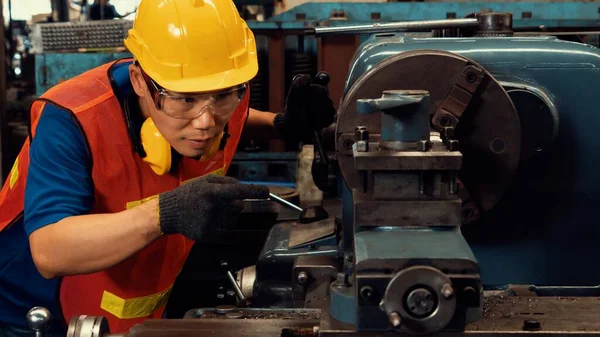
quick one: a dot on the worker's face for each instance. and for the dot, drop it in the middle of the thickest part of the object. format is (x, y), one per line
(190, 123)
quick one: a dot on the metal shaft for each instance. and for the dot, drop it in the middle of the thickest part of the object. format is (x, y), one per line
(285, 202)
(236, 287)
(397, 26)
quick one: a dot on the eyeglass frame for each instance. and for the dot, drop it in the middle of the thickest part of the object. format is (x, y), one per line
(156, 90)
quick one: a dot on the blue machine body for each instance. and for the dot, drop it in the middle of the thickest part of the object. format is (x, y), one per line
(545, 230)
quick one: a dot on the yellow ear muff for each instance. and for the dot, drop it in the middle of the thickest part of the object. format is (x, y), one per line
(158, 149)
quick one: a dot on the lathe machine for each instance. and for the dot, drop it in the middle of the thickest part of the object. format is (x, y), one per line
(465, 164)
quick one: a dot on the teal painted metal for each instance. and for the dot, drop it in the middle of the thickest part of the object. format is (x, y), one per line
(526, 14)
(412, 244)
(544, 231)
(405, 115)
(53, 68)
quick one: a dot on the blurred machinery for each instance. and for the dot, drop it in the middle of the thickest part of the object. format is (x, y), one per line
(465, 162)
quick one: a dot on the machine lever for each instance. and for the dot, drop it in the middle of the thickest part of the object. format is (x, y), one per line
(285, 202)
(236, 287)
(39, 320)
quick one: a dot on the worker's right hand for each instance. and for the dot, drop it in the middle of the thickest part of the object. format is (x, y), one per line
(205, 207)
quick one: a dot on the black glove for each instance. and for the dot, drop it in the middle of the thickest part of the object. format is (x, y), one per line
(205, 207)
(308, 107)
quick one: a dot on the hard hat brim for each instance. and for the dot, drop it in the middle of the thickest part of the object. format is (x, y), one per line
(213, 82)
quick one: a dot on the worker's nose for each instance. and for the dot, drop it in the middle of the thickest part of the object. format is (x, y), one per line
(205, 120)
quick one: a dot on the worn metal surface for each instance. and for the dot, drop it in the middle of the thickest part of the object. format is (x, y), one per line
(406, 160)
(404, 115)
(369, 212)
(485, 174)
(243, 327)
(495, 24)
(383, 248)
(270, 167)
(504, 316)
(316, 270)
(302, 234)
(389, 185)
(467, 82)
(246, 278)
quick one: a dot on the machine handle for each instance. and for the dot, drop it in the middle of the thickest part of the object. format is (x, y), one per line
(404, 26)
(236, 287)
(39, 320)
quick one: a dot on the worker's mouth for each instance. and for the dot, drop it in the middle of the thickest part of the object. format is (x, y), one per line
(199, 143)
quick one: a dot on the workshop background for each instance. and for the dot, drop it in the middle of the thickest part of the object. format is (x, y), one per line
(49, 41)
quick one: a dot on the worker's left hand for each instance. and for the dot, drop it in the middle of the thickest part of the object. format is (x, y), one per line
(308, 106)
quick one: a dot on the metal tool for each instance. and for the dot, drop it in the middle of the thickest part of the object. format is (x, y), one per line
(284, 202)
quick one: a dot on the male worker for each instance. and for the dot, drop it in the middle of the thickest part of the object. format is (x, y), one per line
(102, 206)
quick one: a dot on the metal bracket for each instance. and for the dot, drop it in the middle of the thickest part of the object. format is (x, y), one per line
(458, 98)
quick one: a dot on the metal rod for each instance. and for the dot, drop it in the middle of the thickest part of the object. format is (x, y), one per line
(453, 187)
(397, 26)
(285, 202)
(236, 287)
(320, 148)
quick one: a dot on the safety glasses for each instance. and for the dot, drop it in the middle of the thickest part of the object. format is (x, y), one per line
(220, 103)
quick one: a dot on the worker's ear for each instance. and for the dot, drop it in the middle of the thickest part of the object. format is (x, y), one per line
(137, 80)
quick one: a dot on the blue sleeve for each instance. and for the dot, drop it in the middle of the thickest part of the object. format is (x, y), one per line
(59, 182)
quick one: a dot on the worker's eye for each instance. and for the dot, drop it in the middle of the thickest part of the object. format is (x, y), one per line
(187, 100)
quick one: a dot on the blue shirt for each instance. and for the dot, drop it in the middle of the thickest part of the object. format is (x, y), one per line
(59, 185)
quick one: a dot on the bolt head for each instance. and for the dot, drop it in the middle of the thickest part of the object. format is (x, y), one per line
(302, 277)
(395, 319)
(452, 145)
(362, 146)
(366, 292)
(532, 325)
(342, 279)
(361, 134)
(423, 145)
(447, 133)
(447, 291)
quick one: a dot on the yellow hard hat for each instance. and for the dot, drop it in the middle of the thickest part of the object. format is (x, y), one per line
(193, 45)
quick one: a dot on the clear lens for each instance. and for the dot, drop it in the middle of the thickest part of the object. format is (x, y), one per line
(221, 103)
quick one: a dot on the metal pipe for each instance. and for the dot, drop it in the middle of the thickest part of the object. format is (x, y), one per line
(284, 202)
(236, 287)
(397, 26)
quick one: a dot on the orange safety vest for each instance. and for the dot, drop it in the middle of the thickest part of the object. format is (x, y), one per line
(137, 288)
